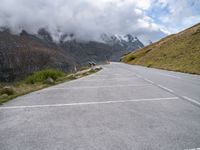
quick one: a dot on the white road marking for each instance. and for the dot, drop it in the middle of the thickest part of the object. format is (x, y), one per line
(170, 75)
(193, 149)
(165, 88)
(148, 80)
(93, 87)
(115, 78)
(91, 79)
(89, 103)
(191, 100)
(139, 76)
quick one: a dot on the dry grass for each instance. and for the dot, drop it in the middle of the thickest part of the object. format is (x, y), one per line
(180, 52)
(24, 87)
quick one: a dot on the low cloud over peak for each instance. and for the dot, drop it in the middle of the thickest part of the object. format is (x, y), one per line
(88, 19)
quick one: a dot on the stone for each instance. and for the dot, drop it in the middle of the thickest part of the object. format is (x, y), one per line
(4, 96)
(7, 90)
(49, 81)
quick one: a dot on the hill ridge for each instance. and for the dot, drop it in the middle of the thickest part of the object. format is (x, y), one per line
(177, 52)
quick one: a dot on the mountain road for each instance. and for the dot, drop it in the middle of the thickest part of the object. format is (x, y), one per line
(121, 107)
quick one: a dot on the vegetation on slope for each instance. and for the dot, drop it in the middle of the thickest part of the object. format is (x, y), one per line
(178, 52)
(39, 80)
(41, 76)
(23, 54)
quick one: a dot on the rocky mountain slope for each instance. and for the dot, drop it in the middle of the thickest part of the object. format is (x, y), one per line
(178, 52)
(126, 43)
(25, 53)
(129, 42)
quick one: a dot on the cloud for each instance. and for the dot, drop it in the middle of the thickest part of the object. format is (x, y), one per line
(176, 15)
(88, 19)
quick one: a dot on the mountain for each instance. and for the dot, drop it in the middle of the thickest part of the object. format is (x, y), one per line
(83, 52)
(126, 43)
(129, 42)
(24, 54)
(178, 52)
(90, 51)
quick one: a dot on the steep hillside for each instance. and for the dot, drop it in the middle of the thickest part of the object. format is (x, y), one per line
(179, 52)
(122, 44)
(24, 54)
(129, 42)
(90, 51)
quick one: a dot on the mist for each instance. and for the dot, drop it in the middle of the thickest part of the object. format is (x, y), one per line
(86, 19)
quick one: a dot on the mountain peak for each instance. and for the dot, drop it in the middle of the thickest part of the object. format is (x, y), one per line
(45, 35)
(128, 41)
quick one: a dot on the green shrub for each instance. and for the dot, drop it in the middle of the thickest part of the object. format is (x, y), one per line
(43, 75)
(149, 64)
(84, 68)
(130, 57)
(7, 90)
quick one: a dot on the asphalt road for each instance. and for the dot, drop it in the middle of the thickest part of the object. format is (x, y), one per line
(122, 107)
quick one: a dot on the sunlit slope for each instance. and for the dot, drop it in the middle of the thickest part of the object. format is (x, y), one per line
(179, 52)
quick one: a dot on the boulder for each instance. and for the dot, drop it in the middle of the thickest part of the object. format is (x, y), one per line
(4, 96)
(7, 90)
(49, 81)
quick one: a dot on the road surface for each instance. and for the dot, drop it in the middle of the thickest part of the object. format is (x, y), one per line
(122, 107)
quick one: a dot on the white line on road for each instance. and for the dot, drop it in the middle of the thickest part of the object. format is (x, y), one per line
(191, 100)
(148, 80)
(165, 88)
(106, 86)
(89, 103)
(100, 79)
(137, 75)
(170, 75)
(193, 149)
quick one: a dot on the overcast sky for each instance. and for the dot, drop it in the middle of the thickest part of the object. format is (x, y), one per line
(87, 19)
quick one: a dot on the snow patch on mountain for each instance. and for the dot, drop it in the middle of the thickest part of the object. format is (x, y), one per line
(128, 41)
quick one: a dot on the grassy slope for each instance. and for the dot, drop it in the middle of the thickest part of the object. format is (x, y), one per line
(179, 52)
(36, 82)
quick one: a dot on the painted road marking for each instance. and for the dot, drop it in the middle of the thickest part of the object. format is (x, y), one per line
(94, 87)
(193, 149)
(93, 79)
(191, 100)
(173, 76)
(89, 103)
(165, 88)
(149, 81)
(118, 79)
(139, 76)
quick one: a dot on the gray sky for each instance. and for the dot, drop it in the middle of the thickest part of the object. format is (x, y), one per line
(87, 19)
